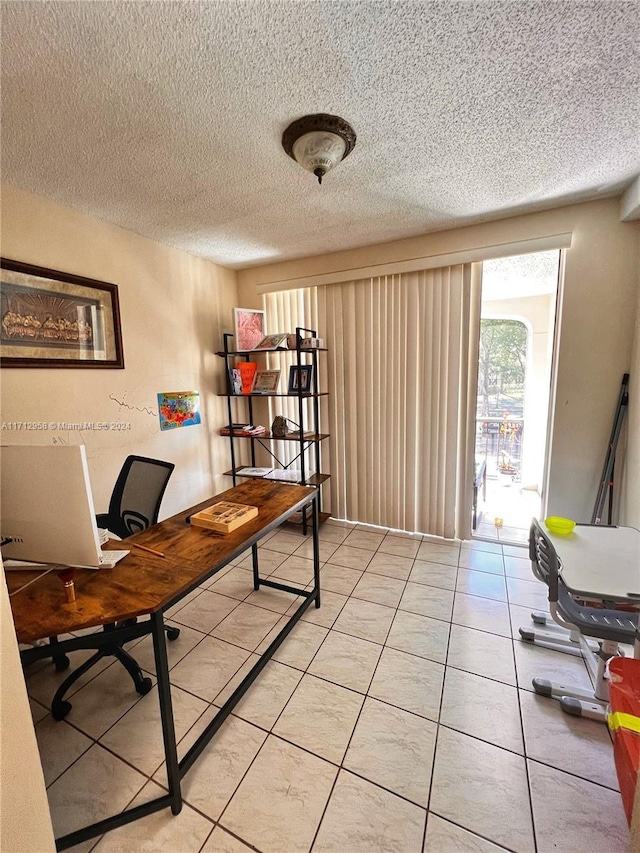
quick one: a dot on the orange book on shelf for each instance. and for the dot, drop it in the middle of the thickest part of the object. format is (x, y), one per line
(247, 372)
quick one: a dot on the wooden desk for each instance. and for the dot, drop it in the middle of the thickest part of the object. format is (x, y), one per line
(144, 585)
(600, 563)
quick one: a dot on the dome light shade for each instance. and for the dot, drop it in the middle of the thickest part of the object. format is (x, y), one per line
(318, 142)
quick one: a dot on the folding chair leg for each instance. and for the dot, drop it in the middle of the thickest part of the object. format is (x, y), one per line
(580, 701)
(554, 690)
(549, 634)
(593, 710)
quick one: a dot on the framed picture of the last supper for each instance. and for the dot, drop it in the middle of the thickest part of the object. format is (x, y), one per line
(50, 318)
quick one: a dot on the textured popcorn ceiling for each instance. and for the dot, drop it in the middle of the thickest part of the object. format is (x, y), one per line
(166, 117)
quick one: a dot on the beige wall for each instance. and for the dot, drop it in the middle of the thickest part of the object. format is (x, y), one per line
(25, 824)
(174, 310)
(631, 495)
(598, 319)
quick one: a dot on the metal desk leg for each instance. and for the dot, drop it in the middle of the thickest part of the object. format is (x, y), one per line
(256, 575)
(315, 526)
(166, 712)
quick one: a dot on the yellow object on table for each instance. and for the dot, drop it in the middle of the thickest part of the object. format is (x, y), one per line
(558, 525)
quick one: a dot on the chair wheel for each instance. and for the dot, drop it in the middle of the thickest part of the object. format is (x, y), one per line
(173, 633)
(59, 710)
(144, 686)
(61, 663)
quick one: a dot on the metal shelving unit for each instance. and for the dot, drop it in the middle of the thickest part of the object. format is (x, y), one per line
(309, 443)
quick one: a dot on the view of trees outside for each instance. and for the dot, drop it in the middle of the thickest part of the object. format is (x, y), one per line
(505, 493)
(501, 368)
(501, 374)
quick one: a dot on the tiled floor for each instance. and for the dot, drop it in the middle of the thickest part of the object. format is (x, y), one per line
(397, 717)
(506, 510)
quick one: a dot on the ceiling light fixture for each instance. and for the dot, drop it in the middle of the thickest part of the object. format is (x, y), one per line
(318, 142)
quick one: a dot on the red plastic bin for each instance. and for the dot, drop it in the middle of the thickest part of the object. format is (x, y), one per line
(624, 722)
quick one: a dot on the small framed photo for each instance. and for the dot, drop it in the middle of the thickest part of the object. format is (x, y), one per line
(300, 378)
(249, 328)
(273, 342)
(265, 382)
(235, 381)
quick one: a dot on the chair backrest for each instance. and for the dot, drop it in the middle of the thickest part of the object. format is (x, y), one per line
(544, 559)
(137, 494)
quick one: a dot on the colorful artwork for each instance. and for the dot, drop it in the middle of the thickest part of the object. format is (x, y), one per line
(249, 328)
(178, 409)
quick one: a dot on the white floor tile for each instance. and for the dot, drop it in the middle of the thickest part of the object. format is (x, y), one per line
(483, 789)
(222, 842)
(159, 831)
(445, 837)
(351, 557)
(206, 670)
(572, 814)
(263, 703)
(483, 708)
(483, 584)
(368, 540)
(419, 635)
(211, 782)
(137, 737)
(345, 660)
(394, 749)
(59, 744)
(379, 589)
(400, 547)
(320, 717)
(206, 611)
(562, 741)
(299, 648)
(427, 601)
(434, 574)
(96, 786)
(390, 566)
(536, 662)
(409, 682)
(363, 818)
(482, 653)
(365, 619)
(481, 561)
(483, 614)
(285, 813)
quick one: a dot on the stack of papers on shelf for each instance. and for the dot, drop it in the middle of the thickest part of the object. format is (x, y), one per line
(243, 429)
(286, 474)
(254, 472)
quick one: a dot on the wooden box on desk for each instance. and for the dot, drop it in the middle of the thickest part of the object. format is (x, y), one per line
(224, 516)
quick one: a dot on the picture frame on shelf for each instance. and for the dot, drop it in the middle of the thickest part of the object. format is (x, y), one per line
(235, 381)
(249, 328)
(300, 378)
(57, 319)
(265, 382)
(272, 342)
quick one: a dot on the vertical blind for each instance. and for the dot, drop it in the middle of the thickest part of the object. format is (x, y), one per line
(401, 381)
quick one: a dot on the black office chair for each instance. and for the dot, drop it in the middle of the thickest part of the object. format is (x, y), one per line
(134, 506)
(608, 626)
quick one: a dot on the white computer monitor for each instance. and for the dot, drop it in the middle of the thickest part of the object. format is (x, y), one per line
(46, 507)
